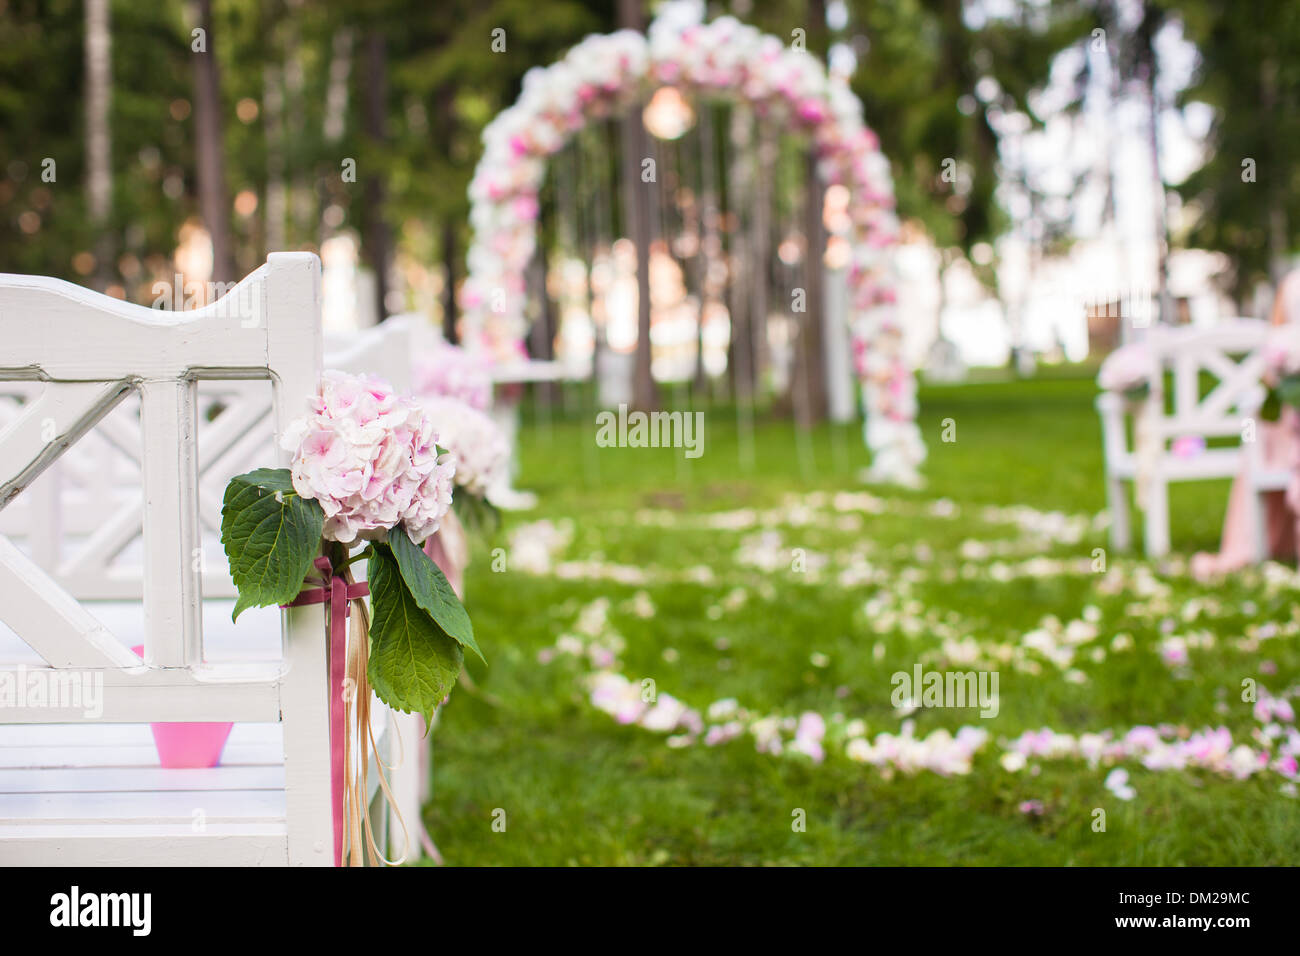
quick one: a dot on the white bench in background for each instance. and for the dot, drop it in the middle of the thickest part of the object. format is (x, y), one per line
(506, 415)
(1231, 353)
(83, 791)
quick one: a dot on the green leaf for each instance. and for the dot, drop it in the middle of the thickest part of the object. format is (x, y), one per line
(413, 662)
(1288, 390)
(271, 535)
(480, 517)
(432, 590)
(1271, 410)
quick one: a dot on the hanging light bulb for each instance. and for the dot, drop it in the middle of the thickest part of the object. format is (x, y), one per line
(668, 115)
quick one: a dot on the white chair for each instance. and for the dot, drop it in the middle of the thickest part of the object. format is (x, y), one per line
(89, 516)
(1261, 477)
(1231, 353)
(506, 415)
(83, 526)
(79, 788)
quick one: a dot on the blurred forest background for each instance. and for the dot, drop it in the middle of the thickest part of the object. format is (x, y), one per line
(119, 138)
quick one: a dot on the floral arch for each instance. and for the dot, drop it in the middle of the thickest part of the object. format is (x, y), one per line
(605, 75)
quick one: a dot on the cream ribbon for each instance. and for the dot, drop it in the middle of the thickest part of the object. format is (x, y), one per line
(1146, 441)
(359, 846)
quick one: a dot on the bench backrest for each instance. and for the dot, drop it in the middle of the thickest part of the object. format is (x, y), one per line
(88, 352)
(1231, 353)
(83, 525)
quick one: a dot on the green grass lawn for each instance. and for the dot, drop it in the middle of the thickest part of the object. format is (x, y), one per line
(759, 585)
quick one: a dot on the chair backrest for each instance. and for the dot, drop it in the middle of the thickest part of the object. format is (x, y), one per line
(89, 351)
(1231, 353)
(384, 350)
(86, 518)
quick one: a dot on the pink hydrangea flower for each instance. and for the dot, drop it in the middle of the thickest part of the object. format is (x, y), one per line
(1128, 367)
(1282, 353)
(370, 459)
(474, 442)
(451, 371)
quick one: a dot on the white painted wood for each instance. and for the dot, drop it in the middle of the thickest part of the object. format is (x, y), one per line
(142, 806)
(125, 844)
(84, 336)
(47, 426)
(171, 536)
(1232, 353)
(233, 435)
(408, 783)
(142, 779)
(1157, 517)
(239, 692)
(58, 628)
(88, 350)
(129, 748)
(294, 353)
(177, 432)
(506, 415)
(383, 350)
(1260, 476)
(535, 370)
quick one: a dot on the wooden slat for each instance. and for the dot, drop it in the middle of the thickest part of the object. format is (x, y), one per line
(384, 350)
(293, 305)
(130, 756)
(112, 735)
(254, 638)
(85, 336)
(49, 620)
(143, 806)
(216, 692)
(246, 844)
(171, 578)
(71, 775)
(48, 425)
(114, 779)
(113, 533)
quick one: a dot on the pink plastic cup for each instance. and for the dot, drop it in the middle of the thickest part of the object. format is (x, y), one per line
(188, 743)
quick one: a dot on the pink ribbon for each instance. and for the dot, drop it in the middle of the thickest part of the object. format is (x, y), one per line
(335, 592)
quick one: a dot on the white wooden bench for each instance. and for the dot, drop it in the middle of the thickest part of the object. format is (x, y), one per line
(77, 788)
(506, 415)
(82, 524)
(1230, 353)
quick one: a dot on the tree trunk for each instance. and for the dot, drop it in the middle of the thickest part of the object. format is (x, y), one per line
(542, 334)
(746, 263)
(810, 355)
(303, 208)
(765, 150)
(336, 111)
(376, 244)
(1146, 74)
(446, 106)
(99, 167)
(705, 230)
(1277, 218)
(449, 283)
(214, 205)
(276, 208)
(645, 394)
(809, 380)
